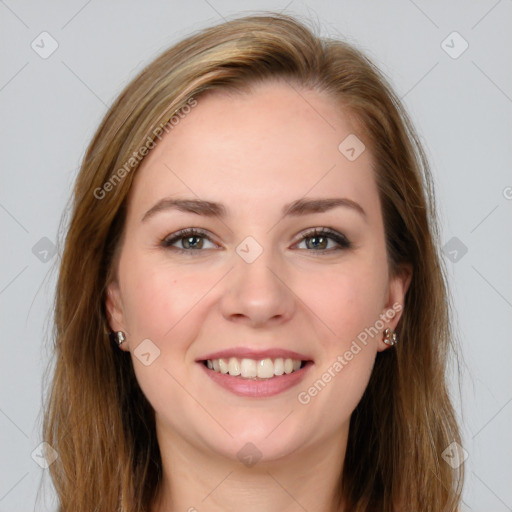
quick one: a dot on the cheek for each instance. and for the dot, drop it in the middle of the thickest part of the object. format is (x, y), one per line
(348, 305)
(347, 300)
(161, 304)
(159, 296)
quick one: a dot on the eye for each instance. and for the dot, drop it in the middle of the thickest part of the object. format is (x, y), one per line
(318, 240)
(191, 239)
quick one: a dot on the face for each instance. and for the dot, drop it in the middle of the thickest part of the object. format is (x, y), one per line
(287, 260)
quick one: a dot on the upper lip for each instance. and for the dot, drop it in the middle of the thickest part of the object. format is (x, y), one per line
(247, 353)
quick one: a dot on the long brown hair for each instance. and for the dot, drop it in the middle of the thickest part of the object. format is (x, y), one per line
(96, 416)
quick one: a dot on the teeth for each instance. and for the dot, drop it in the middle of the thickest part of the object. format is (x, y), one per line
(248, 368)
(223, 365)
(251, 368)
(234, 366)
(279, 366)
(265, 369)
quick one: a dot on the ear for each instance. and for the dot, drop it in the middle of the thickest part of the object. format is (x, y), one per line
(115, 311)
(394, 307)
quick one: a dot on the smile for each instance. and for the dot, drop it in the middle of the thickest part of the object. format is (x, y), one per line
(256, 378)
(254, 369)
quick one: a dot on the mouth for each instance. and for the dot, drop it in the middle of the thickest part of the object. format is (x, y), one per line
(255, 369)
(256, 378)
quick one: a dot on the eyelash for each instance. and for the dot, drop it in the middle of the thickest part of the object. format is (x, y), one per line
(340, 239)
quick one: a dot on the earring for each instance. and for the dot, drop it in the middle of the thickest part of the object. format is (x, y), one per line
(117, 337)
(390, 337)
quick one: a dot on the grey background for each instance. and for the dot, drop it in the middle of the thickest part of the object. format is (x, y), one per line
(50, 107)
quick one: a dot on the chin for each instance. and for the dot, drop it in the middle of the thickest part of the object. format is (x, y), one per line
(266, 441)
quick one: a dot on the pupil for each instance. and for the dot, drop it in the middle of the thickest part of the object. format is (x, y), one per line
(188, 243)
(318, 238)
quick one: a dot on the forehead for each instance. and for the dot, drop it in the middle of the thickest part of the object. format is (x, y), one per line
(275, 143)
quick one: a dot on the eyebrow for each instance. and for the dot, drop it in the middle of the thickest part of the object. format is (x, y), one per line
(213, 209)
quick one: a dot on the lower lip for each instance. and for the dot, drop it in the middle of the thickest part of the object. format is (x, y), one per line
(258, 388)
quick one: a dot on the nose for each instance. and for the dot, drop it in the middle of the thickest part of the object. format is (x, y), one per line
(258, 293)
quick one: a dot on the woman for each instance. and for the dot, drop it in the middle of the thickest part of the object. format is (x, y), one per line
(251, 307)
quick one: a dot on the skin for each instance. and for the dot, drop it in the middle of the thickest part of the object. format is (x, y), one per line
(253, 152)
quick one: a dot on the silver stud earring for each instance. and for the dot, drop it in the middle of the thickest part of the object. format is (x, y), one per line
(390, 337)
(118, 337)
